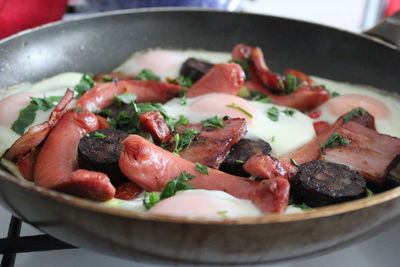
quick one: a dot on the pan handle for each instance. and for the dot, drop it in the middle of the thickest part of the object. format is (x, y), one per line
(387, 30)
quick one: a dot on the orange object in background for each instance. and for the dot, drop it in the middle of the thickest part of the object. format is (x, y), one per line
(18, 15)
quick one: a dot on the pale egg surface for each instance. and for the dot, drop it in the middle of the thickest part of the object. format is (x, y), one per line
(284, 135)
(383, 106)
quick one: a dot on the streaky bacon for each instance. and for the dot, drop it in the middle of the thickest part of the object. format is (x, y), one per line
(266, 166)
(36, 134)
(212, 145)
(152, 167)
(102, 95)
(369, 152)
(155, 124)
(306, 97)
(224, 78)
(56, 166)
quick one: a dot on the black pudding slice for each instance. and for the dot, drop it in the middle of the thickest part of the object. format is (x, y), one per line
(194, 69)
(241, 152)
(100, 150)
(320, 183)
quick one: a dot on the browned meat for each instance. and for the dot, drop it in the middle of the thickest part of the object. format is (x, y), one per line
(194, 68)
(240, 153)
(212, 145)
(152, 168)
(128, 191)
(154, 123)
(266, 166)
(321, 183)
(99, 151)
(367, 151)
(222, 78)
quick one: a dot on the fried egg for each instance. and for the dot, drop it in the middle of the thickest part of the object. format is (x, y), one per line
(384, 107)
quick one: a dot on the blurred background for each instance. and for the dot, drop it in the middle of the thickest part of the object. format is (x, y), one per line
(353, 15)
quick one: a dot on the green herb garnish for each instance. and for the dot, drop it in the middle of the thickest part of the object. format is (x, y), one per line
(183, 97)
(289, 112)
(302, 206)
(27, 115)
(184, 139)
(293, 161)
(238, 161)
(213, 122)
(353, 113)
(182, 120)
(147, 74)
(291, 84)
(99, 135)
(370, 193)
(107, 78)
(150, 200)
(85, 84)
(333, 94)
(233, 105)
(273, 113)
(256, 96)
(104, 112)
(177, 184)
(222, 213)
(127, 98)
(77, 109)
(273, 139)
(184, 82)
(336, 140)
(201, 168)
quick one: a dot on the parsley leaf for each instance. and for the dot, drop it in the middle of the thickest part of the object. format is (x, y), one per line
(150, 200)
(273, 113)
(107, 78)
(302, 206)
(291, 84)
(184, 139)
(353, 113)
(184, 82)
(183, 97)
(201, 168)
(222, 213)
(293, 161)
(260, 97)
(99, 135)
(177, 184)
(369, 193)
(27, 115)
(239, 161)
(289, 112)
(85, 84)
(213, 122)
(336, 140)
(127, 98)
(147, 74)
(233, 105)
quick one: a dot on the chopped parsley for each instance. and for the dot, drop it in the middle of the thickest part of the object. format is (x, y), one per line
(256, 96)
(369, 193)
(336, 140)
(183, 97)
(273, 138)
(182, 120)
(27, 115)
(233, 105)
(184, 82)
(150, 200)
(147, 74)
(201, 168)
(177, 184)
(239, 161)
(289, 112)
(107, 78)
(273, 113)
(293, 161)
(99, 135)
(222, 213)
(333, 94)
(302, 206)
(184, 139)
(244, 64)
(127, 98)
(291, 84)
(85, 84)
(104, 112)
(213, 122)
(354, 113)
(77, 109)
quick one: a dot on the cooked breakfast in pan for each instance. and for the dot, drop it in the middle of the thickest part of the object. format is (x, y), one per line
(202, 134)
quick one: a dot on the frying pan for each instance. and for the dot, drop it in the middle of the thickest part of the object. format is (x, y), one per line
(100, 43)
